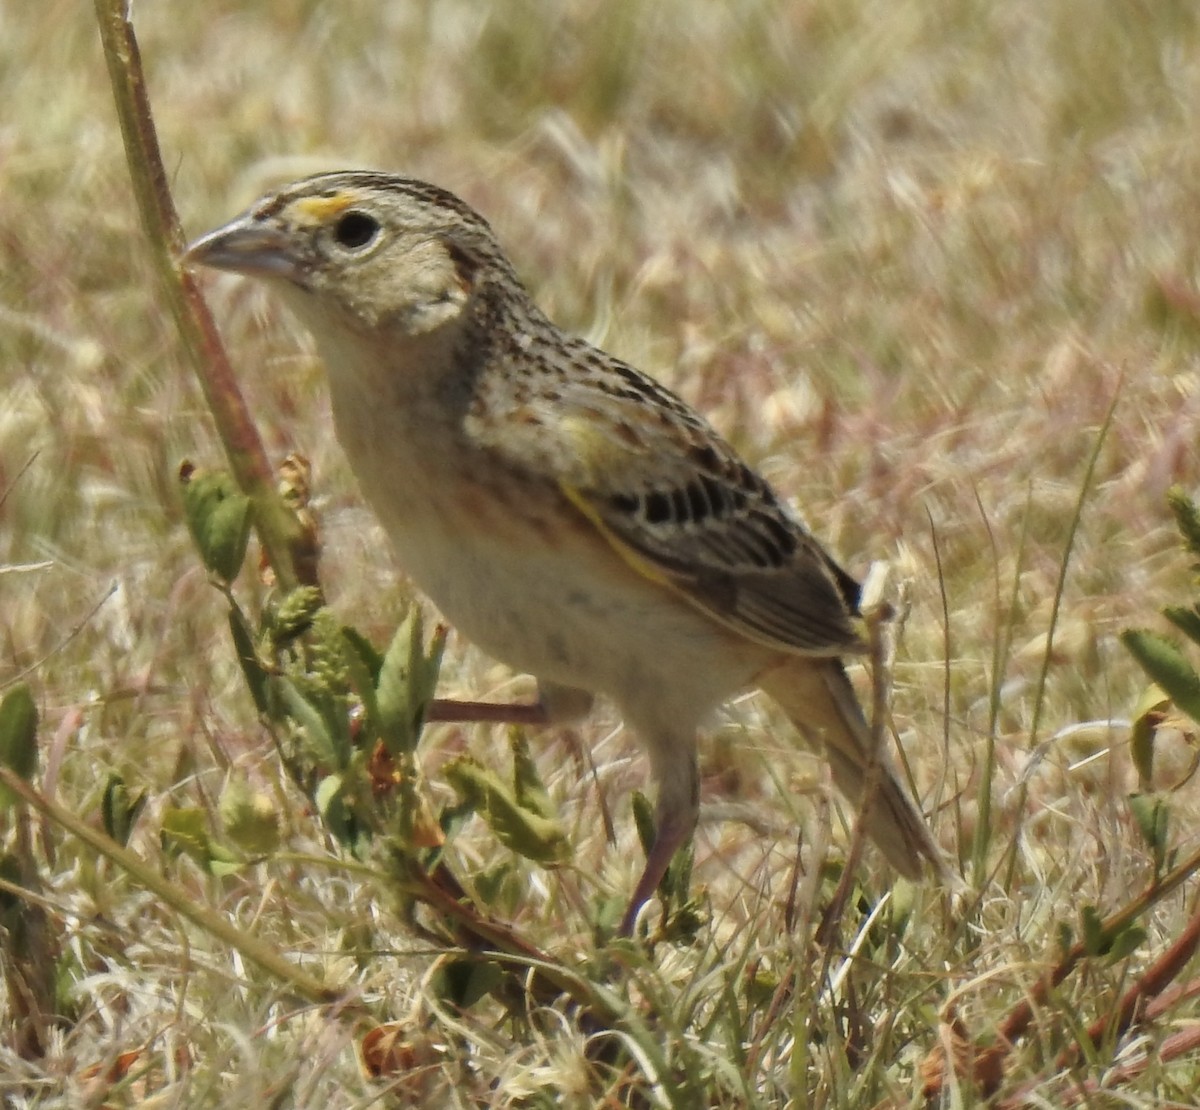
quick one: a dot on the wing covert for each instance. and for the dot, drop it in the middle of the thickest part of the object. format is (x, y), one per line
(673, 498)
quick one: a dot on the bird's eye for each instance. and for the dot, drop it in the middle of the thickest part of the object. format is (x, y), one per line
(355, 230)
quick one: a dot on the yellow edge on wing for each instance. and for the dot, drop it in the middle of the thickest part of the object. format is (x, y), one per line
(640, 563)
(655, 573)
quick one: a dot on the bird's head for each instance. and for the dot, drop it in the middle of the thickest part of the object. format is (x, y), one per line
(368, 251)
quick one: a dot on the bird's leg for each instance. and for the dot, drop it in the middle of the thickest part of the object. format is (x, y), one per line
(555, 705)
(674, 821)
(486, 712)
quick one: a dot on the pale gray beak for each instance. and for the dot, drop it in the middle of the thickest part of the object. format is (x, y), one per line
(247, 246)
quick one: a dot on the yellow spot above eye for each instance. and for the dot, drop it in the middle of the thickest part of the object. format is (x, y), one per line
(320, 210)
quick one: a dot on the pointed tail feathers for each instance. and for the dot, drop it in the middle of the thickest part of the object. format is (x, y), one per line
(819, 700)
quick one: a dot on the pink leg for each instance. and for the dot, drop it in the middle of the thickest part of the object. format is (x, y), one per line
(674, 818)
(556, 705)
(667, 841)
(486, 712)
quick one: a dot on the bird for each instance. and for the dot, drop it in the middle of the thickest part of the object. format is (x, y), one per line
(567, 513)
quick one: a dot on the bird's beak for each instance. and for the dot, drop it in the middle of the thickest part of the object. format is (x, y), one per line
(247, 246)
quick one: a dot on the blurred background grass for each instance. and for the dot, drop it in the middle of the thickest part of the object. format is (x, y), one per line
(903, 254)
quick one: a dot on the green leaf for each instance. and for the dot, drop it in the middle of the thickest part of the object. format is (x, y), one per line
(1152, 815)
(185, 831)
(452, 817)
(1187, 620)
(1146, 717)
(328, 791)
(18, 732)
(1095, 940)
(643, 819)
(1187, 518)
(527, 833)
(1099, 940)
(607, 911)
(674, 886)
(431, 663)
(218, 516)
(463, 982)
(119, 812)
(407, 678)
(18, 737)
(1165, 664)
(335, 813)
(396, 717)
(1125, 943)
(491, 881)
(364, 650)
(688, 917)
(252, 668)
(677, 879)
(530, 791)
(362, 665)
(249, 818)
(314, 729)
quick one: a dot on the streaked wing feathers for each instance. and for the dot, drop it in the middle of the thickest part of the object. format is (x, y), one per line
(676, 501)
(741, 557)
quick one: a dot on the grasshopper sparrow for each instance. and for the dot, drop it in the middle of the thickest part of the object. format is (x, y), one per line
(564, 511)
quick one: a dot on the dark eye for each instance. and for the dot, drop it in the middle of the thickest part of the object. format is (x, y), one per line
(355, 230)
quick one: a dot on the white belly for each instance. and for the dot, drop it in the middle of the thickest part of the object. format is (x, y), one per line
(558, 621)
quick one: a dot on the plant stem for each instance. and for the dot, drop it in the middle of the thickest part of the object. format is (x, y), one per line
(277, 527)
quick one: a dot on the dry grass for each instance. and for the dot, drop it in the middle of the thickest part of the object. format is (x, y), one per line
(903, 254)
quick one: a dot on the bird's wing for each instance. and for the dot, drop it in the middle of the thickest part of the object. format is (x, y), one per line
(678, 504)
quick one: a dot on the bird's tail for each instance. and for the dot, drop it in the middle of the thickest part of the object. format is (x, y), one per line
(819, 700)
